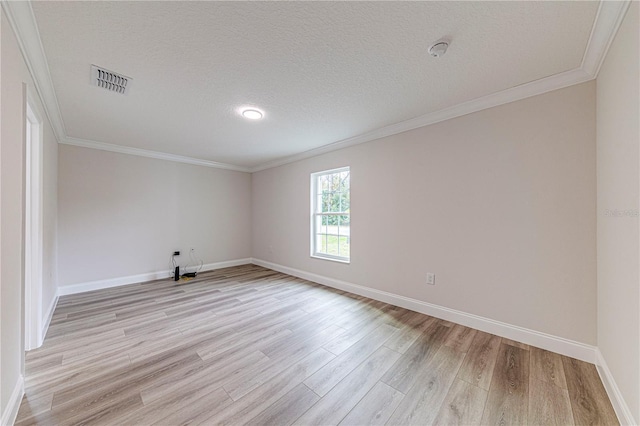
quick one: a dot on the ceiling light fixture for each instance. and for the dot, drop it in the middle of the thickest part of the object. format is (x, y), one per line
(252, 114)
(439, 48)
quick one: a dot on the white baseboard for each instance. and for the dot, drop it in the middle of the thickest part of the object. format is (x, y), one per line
(619, 404)
(226, 264)
(47, 318)
(549, 342)
(140, 278)
(111, 282)
(11, 412)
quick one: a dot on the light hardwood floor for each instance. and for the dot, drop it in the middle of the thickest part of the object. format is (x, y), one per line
(248, 345)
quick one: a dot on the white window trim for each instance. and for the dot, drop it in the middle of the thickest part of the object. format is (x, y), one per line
(312, 227)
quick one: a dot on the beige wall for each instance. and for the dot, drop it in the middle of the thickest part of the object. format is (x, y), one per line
(499, 204)
(15, 76)
(122, 215)
(618, 139)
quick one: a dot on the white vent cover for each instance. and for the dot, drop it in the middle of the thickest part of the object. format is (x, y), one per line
(110, 80)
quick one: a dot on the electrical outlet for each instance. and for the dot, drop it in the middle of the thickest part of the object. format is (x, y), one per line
(176, 253)
(431, 278)
(270, 249)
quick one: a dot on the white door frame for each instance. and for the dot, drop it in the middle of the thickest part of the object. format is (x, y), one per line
(33, 228)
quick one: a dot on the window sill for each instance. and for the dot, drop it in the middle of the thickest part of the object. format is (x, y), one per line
(332, 259)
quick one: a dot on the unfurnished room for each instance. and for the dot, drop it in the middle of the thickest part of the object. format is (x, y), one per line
(319, 213)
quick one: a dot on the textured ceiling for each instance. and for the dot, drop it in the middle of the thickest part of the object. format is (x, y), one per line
(322, 71)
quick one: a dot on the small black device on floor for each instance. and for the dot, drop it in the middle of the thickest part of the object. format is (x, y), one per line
(176, 275)
(189, 275)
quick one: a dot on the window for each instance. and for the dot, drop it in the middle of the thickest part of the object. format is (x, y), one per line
(330, 214)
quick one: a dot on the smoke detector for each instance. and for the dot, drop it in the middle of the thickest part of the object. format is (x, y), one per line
(439, 48)
(110, 80)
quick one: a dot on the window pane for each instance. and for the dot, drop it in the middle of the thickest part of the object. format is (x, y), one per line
(332, 221)
(345, 225)
(344, 202)
(344, 181)
(324, 183)
(344, 248)
(321, 243)
(321, 224)
(332, 231)
(345, 235)
(326, 202)
(335, 202)
(332, 245)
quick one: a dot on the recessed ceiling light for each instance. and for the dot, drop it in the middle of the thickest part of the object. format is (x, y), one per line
(252, 113)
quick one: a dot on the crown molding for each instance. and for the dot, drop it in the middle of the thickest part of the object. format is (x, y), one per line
(608, 19)
(537, 87)
(23, 23)
(121, 149)
(605, 27)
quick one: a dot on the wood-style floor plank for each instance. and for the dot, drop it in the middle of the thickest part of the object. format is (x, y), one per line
(219, 372)
(508, 400)
(548, 404)
(248, 345)
(589, 402)
(265, 395)
(329, 375)
(463, 405)
(376, 407)
(32, 406)
(354, 335)
(515, 343)
(244, 384)
(478, 365)
(190, 411)
(287, 409)
(406, 336)
(422, 402)
(406, 371)
(335, 405)
(547, 367)
(460, 338)
(178, 407)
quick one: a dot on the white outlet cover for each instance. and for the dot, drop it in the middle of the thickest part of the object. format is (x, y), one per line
(431, 279)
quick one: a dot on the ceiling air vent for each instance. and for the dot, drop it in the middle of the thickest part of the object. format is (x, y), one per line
(110, 80)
